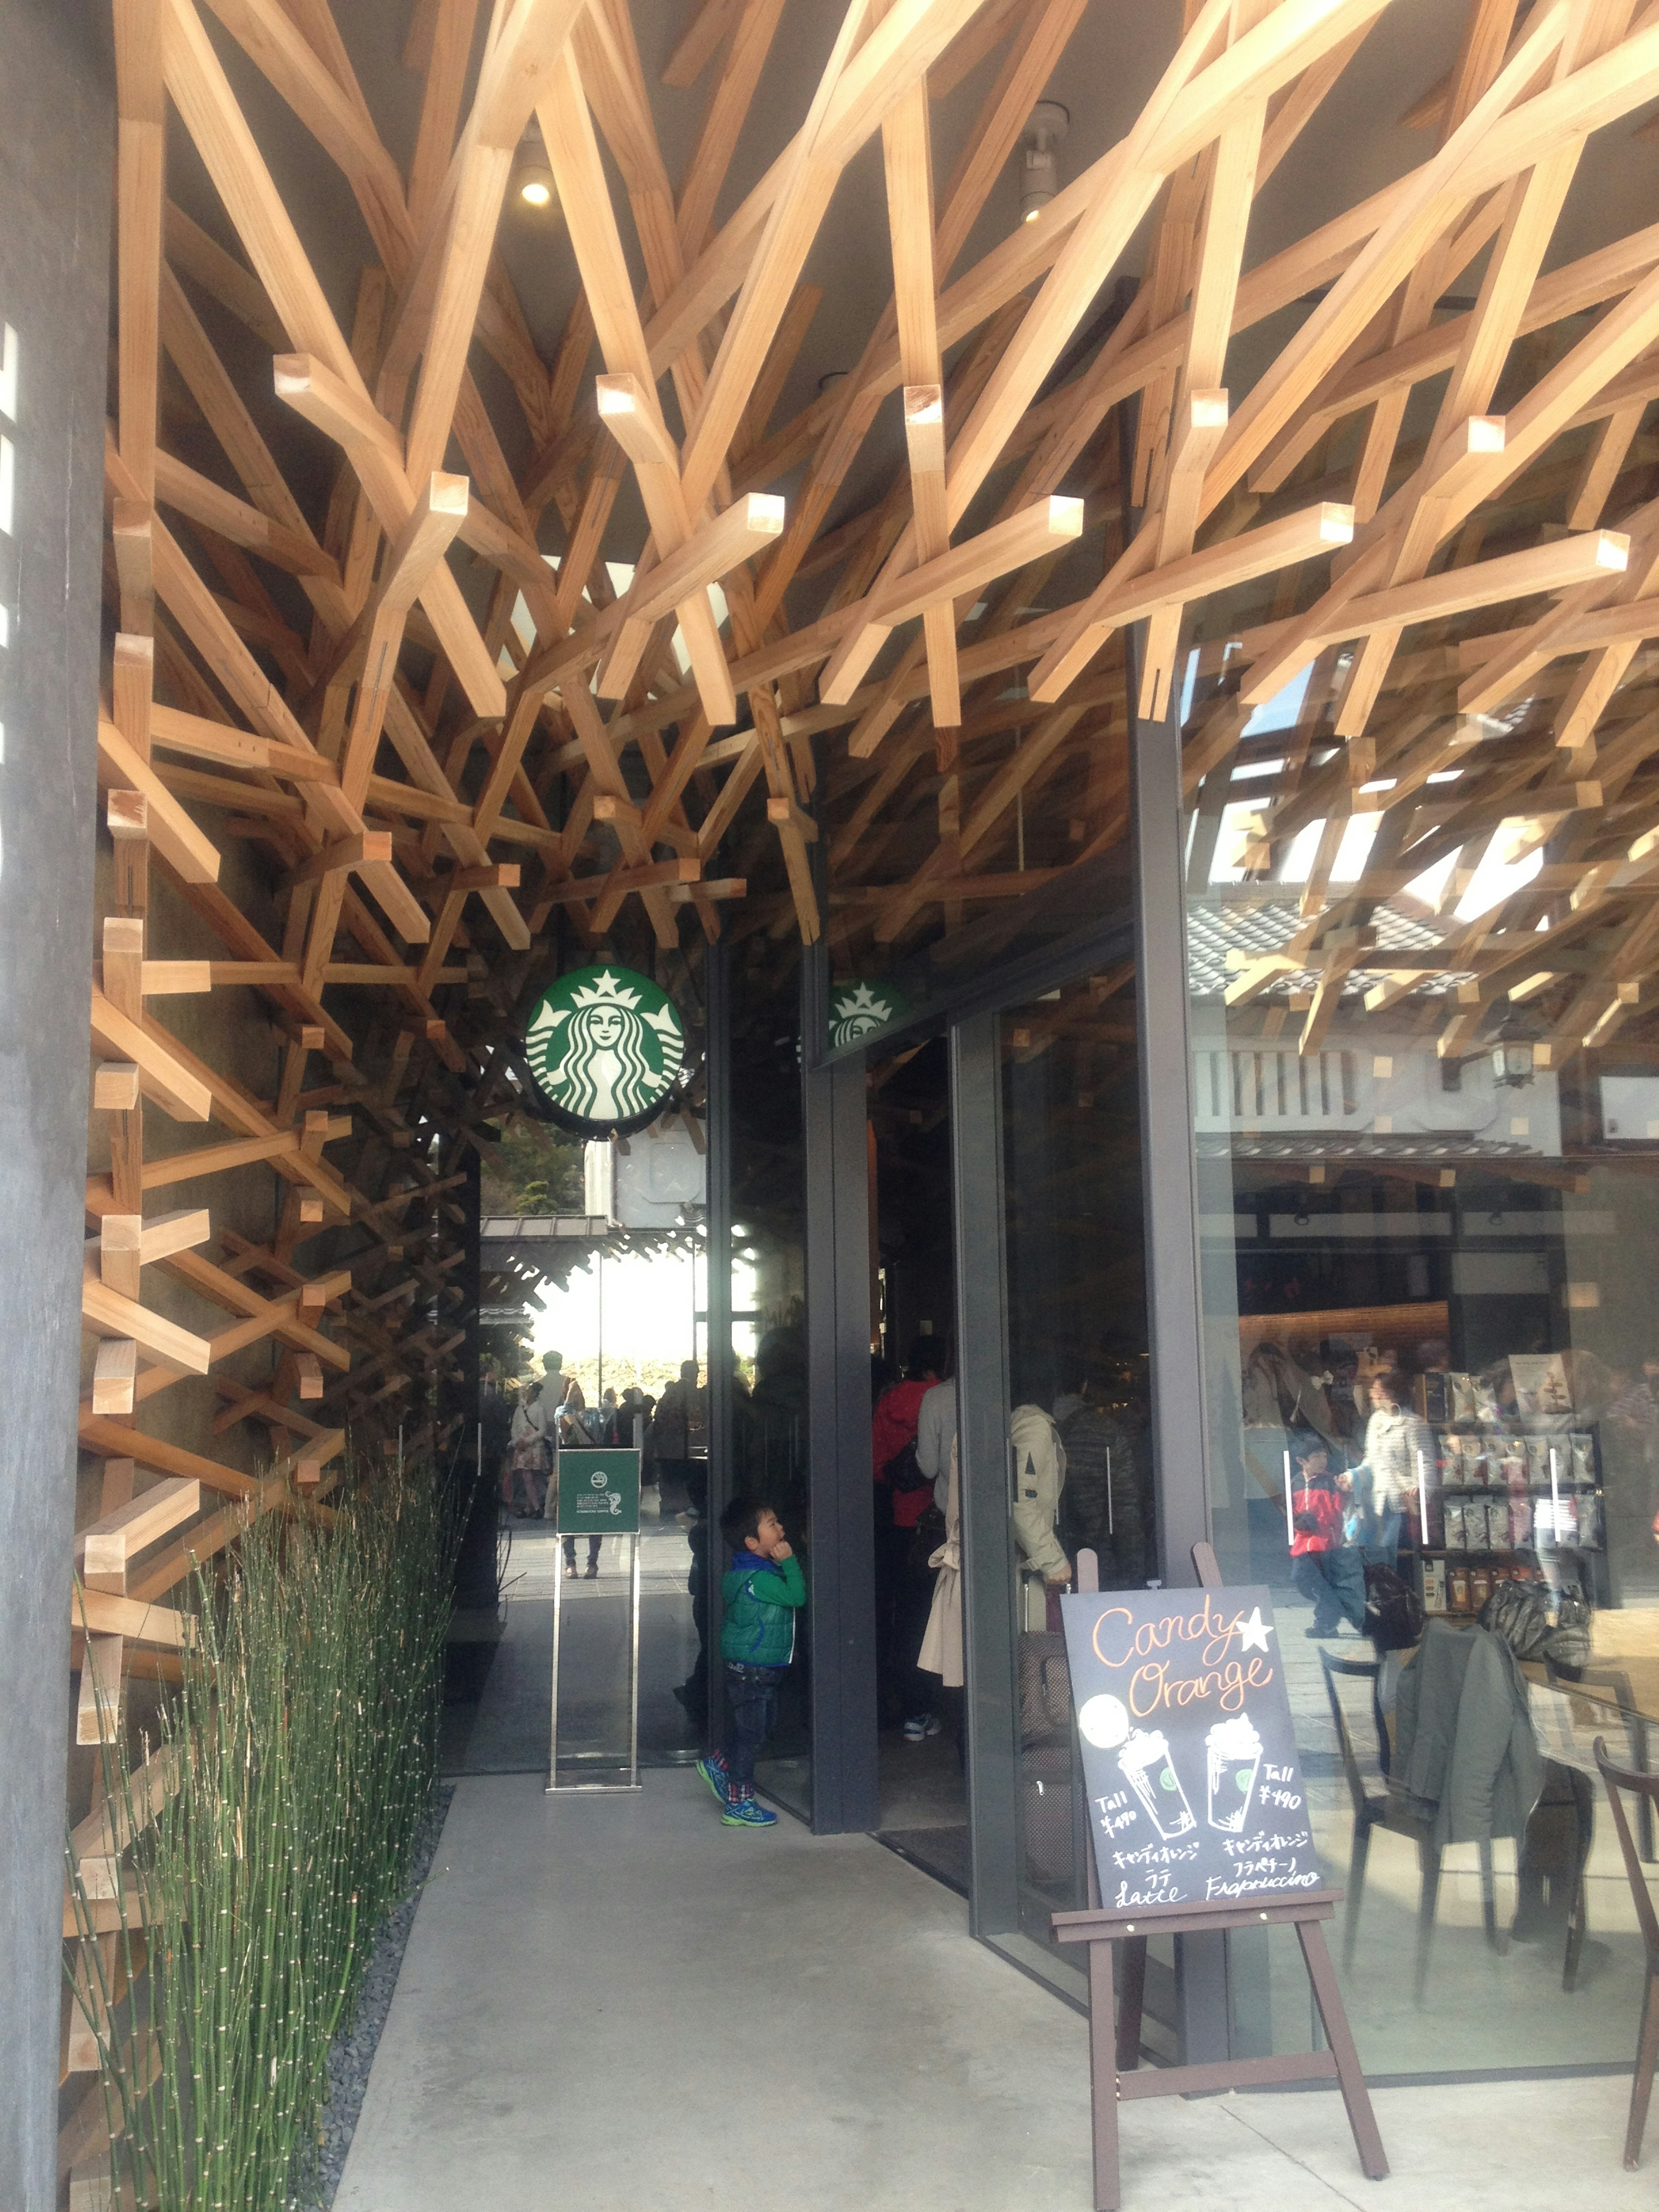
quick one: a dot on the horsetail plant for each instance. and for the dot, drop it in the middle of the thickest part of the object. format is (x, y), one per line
(270, 1834)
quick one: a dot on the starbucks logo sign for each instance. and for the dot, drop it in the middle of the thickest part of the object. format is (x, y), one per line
(856, 1009)
(606, 1046)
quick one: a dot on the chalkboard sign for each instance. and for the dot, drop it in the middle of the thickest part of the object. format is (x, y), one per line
(1194, 1792)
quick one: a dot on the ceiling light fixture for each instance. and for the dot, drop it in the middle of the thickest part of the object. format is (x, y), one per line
(1039, 170)
(532, 180)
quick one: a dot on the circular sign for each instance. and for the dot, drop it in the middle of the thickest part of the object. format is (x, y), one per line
(1105, 1721)
(856, 1009)
(606, 1046)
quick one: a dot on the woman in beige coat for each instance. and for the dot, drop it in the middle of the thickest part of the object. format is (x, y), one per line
(941, 1643)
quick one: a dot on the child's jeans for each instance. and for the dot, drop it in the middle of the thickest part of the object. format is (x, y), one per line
(1334, 1583)
(751, 1704)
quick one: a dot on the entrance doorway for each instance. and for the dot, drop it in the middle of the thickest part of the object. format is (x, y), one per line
(617, 1359)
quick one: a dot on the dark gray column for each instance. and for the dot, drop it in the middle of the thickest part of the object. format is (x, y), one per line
(717, 1010)
(56, 139)
(717, 980)
(1170, 1181)
(1169, 1176)
(845, 1796)
(983, 1402)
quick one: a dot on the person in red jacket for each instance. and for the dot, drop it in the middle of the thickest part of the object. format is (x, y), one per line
(1325, 1571)
(904, 1590)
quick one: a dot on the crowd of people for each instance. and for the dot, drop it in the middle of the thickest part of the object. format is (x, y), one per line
(1081, 1479)
(1083, 1482)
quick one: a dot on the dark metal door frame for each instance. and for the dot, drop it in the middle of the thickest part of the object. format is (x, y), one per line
(1175, 1304)
(846, 1796)
(989, 1624)
(1169, 1168)
(717, 1302)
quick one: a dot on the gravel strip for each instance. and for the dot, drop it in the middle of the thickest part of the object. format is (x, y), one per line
(353, 2051)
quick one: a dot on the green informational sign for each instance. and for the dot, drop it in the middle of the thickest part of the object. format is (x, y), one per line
(606, 1047)
(857, 1010)
(598, 1493)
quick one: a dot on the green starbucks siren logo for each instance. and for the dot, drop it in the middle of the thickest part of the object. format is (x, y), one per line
(605, 1045)
(856, 1009)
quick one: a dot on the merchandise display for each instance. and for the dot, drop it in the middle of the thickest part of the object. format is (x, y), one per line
(1510, 1491)
(1483, 1478)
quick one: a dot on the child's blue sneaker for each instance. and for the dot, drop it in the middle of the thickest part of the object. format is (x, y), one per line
(712, 1770)
(747, 1812)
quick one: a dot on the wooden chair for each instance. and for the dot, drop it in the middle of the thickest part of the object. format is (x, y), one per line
(1616, 1684)
(1561, 1830)
(1373, 1810)
(1644, 1787)
(1567, 1802)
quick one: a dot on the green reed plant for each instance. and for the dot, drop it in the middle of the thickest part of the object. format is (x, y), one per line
(303, 1739)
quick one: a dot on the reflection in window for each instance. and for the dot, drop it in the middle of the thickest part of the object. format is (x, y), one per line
(1429, 1238)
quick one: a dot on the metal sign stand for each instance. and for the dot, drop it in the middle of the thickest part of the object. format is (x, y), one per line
(599, 1788)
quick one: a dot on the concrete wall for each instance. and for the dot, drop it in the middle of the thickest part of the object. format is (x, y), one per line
(56, 137)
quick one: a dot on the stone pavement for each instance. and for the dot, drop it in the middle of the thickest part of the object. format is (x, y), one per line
(616, 2003)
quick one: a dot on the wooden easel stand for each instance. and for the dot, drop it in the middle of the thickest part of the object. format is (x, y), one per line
(1112, 2045)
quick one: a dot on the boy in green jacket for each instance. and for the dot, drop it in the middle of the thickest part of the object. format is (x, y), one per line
(763, 1590)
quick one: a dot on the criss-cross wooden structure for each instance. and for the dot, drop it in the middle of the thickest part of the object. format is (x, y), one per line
(387, 709)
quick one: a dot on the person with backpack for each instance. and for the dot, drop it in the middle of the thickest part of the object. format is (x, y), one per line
(904, 1581)
(1325, 1568)
(1103, 1508)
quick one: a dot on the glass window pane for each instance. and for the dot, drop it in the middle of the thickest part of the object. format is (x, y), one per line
(1429, 1234)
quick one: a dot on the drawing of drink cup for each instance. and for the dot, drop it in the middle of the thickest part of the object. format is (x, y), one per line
(1146, 1767)
(1234, 1758)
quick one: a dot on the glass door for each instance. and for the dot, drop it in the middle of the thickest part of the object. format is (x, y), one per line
(1057, 1458)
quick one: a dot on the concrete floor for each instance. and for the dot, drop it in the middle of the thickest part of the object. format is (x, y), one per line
(612, 2003)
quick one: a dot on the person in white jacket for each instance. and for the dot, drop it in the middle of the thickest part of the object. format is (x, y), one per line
(1399, 1450)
